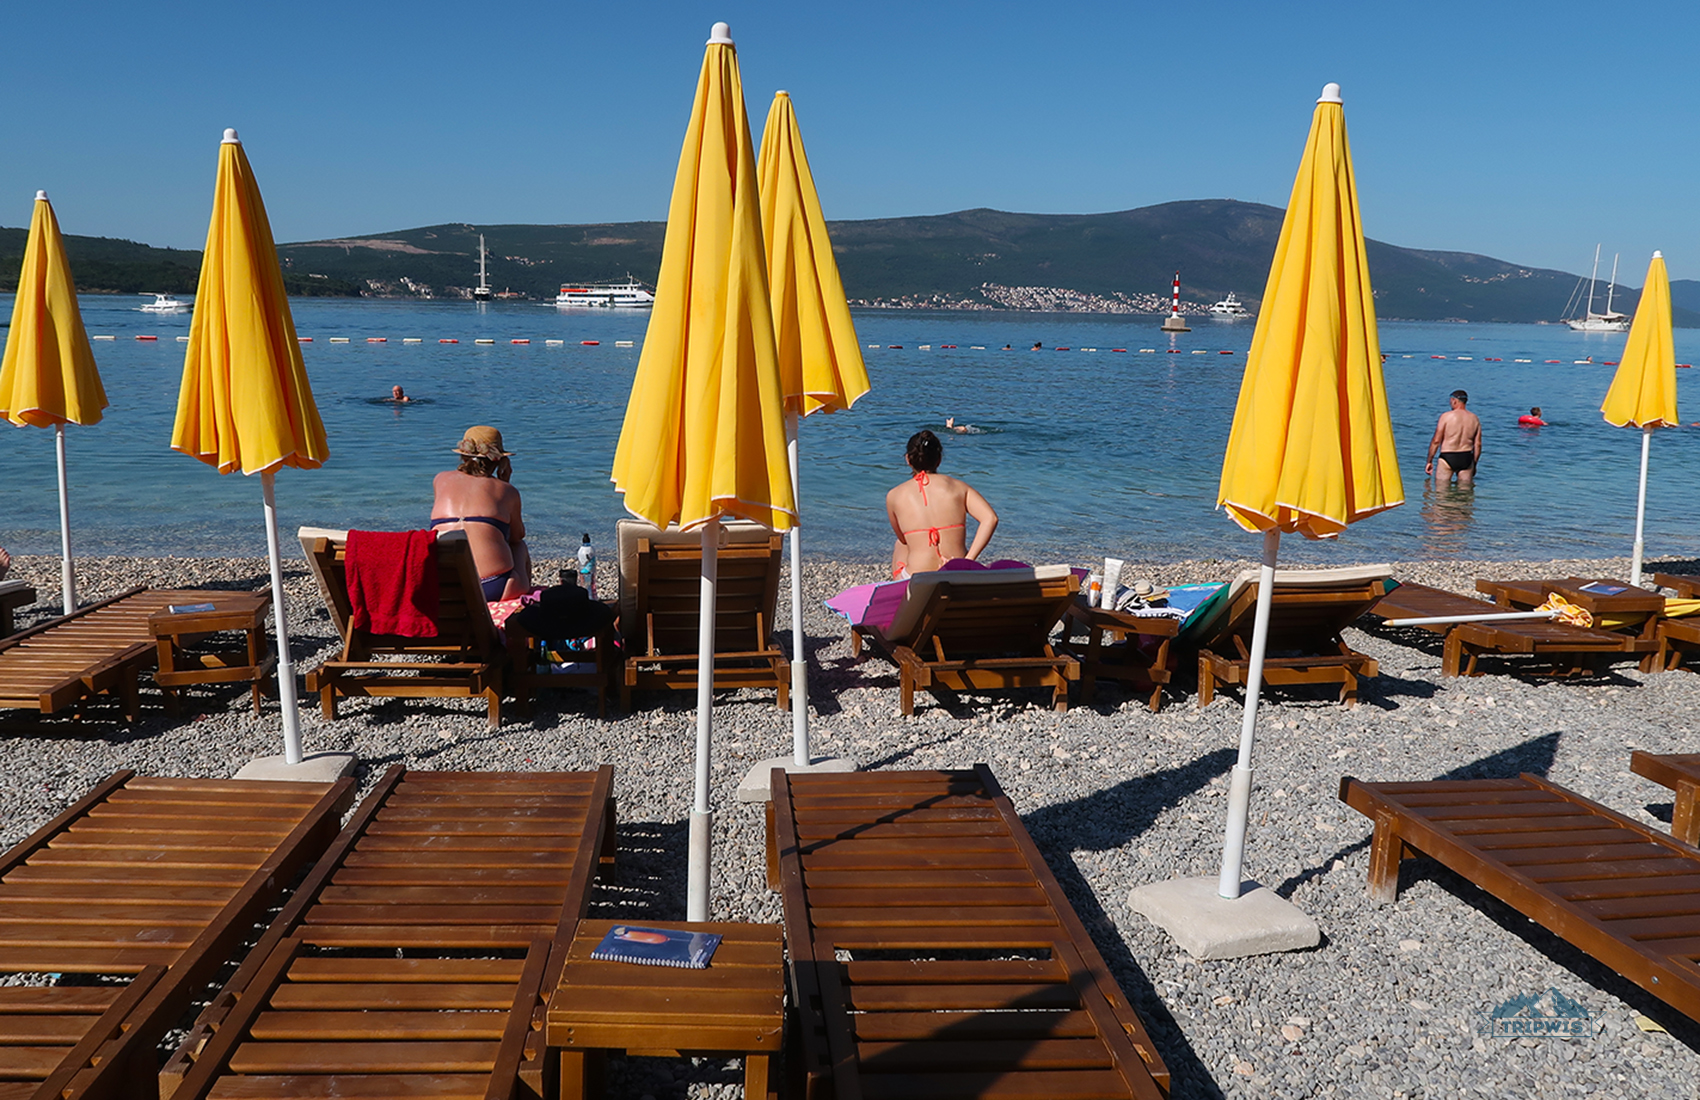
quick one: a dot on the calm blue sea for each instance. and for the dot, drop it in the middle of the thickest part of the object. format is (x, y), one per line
(1082, 452)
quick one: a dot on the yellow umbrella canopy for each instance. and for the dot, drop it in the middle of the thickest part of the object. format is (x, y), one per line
(48, 376)
(1643, 391)
(1311, 448)
(1312, 443)
(244, 403)
(820, 359)
(704, 433)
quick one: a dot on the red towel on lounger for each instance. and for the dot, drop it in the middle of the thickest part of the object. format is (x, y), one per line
(392, 582)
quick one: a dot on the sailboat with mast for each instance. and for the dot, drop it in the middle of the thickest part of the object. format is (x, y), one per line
(481, 292)
(1609, 321)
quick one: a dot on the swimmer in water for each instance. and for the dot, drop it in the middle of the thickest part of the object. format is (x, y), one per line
(1037, 346)
(1533, 419)
(959, 429)
(1006, 347)
(397, 397)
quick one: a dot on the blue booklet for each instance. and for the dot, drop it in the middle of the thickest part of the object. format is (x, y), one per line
(1601, 588)
(657, 947)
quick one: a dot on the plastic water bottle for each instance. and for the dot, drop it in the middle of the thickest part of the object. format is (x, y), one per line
(587, 566)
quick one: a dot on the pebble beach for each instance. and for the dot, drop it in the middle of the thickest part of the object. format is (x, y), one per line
(1396, 1000)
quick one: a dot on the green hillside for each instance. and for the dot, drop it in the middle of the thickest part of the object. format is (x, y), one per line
(110, 265)
(1218, 245)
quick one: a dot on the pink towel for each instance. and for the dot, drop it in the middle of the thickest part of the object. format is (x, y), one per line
(392, 582)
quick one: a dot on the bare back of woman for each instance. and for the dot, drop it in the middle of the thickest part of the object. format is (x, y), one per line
(929, 513)
(477, 499)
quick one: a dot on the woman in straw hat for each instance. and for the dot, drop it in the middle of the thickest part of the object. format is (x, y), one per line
(475, 497)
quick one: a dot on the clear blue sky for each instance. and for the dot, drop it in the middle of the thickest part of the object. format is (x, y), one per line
(1523, 130)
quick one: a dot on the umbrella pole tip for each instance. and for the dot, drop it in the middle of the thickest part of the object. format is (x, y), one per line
(782, 92)
(41, 196)
(1330, 93)
(230, 137)
(720, 35)
(1657, 255)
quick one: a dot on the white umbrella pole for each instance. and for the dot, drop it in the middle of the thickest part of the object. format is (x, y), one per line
(702, 818)
(1239, 792)
(285, 665)
(1640, 509)
(68, 574)
(799, 662)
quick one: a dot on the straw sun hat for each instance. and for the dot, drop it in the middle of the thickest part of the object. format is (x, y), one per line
(482, 441)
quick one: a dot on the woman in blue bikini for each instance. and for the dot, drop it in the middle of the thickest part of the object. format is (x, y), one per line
(476, 498)
(929, 513)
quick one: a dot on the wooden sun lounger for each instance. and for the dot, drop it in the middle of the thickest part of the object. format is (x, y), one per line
(416, 958)
(97, 649)
(978, 630)
(161, 879)
(1570, 648)
(1686, 585)
(464, 660)
(1627, 895)
(1309, 610)
(1681, 773)
(933, 953)
(1678, 638)
(14, 594)
(660, 600)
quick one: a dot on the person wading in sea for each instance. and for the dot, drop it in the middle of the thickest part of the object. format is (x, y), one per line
(1457, 442)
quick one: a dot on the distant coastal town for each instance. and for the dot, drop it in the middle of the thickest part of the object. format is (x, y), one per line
(1036, 299)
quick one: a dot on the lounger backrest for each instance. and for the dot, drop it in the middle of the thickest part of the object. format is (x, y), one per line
(661, 587)
(1308, 605)
(989, 609)
(463, 618)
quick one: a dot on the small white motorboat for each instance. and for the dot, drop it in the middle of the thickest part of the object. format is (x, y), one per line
(1230, 307)
(164, 303)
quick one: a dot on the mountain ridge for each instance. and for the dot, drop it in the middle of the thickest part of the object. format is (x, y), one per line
(978, 258)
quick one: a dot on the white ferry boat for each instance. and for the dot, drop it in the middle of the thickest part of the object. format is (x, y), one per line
(1230, 307)
(163, 303)
(630, 294)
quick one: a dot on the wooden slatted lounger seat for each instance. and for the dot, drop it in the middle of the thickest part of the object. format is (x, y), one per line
(1681, 773)
(416, 958)
(934, 955)
(660, 586)
(99, 648)
(1625, 894)
(978, 630)
(161, 879)
(1569, 648)
(464, 660)
(1309, 609)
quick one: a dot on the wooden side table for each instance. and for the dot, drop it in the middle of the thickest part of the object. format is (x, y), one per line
(734, 1006)
(175, 632)
(1131, 664)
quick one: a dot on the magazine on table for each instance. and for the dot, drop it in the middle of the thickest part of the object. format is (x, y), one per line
(657, 947)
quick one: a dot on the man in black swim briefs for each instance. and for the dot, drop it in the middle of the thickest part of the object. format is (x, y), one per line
(1457, 442)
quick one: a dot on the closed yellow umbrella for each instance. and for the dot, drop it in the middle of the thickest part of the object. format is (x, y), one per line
(1643, 392)
(704, 434)
(1311, 448)
(820, 359)
(48, 376)
(244, 403)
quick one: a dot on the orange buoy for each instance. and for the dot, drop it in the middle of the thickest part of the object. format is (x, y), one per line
(377, 339)
(303, 339)
(147, 338)
(590, 343)
(519, 341)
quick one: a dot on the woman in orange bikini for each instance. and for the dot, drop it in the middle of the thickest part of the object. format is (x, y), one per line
(929, 513)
